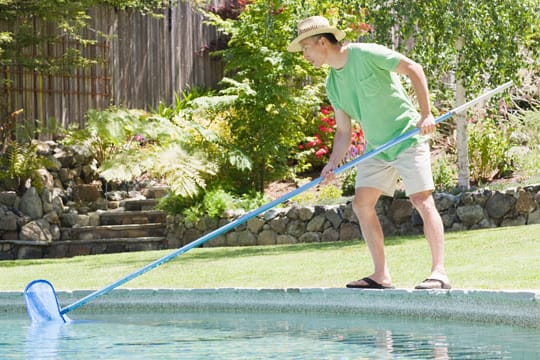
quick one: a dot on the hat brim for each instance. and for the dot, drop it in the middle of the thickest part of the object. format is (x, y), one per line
(294, 46)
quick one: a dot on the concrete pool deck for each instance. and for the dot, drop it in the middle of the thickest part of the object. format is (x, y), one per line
(519, 308)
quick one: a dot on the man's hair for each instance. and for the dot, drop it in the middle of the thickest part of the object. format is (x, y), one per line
(330, 37)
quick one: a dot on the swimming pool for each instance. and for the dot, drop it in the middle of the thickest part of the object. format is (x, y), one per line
(281, 324)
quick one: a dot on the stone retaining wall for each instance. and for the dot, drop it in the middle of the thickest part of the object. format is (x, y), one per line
(470, 210)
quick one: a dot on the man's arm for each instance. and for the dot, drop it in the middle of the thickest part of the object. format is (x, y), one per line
(418, 79)
(342, 141)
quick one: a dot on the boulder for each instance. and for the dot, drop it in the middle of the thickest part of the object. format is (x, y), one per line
(316, 224)
(310, 237)
(266, 237)
(31, 204)
(444, 201)
(8, 221)
(37, 230)
(8, 198)
(400, 211)
(525, 203)
(470, 214)
(349, 231)
(499, 205)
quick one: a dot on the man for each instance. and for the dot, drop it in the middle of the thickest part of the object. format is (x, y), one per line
(363, 84)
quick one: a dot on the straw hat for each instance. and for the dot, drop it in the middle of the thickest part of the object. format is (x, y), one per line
(311, 26)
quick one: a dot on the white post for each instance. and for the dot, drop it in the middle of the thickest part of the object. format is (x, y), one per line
(461, 136)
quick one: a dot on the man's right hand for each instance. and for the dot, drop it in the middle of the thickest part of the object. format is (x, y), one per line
(327, 173)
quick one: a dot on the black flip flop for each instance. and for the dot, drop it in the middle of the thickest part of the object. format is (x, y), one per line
(432, 284)
(370, 284)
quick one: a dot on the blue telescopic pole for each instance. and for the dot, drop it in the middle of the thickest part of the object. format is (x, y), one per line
(273, 203)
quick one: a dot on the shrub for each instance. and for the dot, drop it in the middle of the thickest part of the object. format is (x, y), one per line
(326, 194)
(489, 150)
(526, 142)
(444, 171)
(213, 203)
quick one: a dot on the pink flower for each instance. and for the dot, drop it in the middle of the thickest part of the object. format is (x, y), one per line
(321, 152)
(324, 129)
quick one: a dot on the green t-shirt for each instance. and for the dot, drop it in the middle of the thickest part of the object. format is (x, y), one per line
(369, 90)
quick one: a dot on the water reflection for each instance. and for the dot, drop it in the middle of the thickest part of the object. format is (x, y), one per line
(42, 339)
(221, 335)
(385, 342)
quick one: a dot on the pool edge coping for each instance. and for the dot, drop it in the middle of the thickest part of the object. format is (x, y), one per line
(519, 308)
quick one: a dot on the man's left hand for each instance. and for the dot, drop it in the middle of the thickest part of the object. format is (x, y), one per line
(427, 125)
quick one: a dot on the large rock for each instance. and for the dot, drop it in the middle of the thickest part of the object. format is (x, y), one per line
(8, 198)
(38, 230)
(444, 201)
(534, 218)
(333, 215)
(470, 214)
(310, 237)
(400, 211)
(316, 224)
(279, 224)
(349, 231)
(46, 200)
(499, 205)
(266, 237)
(31, 204)
(46, 178)
(87, 192)
(255, 225)
(525, 202)
(8, 221)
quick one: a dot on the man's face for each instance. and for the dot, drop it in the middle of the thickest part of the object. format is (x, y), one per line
(314, 50)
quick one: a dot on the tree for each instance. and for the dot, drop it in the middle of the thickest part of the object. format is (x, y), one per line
(270, 96)
(479, 43)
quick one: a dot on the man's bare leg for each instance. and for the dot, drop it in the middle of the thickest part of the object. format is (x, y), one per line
(363, 205)
(433, 231)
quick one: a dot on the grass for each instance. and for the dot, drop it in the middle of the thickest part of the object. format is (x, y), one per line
(494, 259)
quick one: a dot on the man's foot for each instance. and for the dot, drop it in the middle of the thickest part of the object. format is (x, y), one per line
(367, 283)
(429, 284)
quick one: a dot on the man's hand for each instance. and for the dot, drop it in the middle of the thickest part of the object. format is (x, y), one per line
(327, 173)
(426, 125)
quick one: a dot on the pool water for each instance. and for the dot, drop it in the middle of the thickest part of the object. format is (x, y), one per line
(270, 335)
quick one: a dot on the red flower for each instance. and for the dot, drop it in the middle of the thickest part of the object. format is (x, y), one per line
(324, 129)
(321, 152)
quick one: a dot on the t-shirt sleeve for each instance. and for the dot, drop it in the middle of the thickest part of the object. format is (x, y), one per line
(331, 94)
(382, 56)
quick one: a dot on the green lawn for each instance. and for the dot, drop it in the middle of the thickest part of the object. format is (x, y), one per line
(495, 259)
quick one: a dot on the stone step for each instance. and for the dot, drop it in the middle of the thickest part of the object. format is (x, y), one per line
(113, 231)
(105, 246)
(132, 217)
(139, 205)
(138, 240)
(20, 249)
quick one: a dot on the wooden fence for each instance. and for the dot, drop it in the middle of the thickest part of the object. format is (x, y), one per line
(142, 60)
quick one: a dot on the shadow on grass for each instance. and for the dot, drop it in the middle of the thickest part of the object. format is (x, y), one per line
(237, 252)
(214, 253)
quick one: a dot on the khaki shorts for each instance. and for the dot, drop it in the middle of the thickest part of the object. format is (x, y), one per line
(413, 165)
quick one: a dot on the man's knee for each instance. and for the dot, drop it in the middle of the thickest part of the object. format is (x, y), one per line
(423, 201)
(364, 204)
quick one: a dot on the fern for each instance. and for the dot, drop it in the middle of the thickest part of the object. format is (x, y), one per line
(19, 165)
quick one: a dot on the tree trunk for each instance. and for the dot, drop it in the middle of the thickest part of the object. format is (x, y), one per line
(461, 136)
(462, 139)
